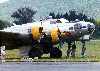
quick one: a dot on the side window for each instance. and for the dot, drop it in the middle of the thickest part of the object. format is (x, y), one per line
(77, 26)
(70, 28)
(29, 30)
(52, 22)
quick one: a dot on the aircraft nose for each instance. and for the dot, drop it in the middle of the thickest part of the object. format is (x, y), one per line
(91, 27)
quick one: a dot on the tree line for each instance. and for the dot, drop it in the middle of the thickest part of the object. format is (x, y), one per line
(72, 15)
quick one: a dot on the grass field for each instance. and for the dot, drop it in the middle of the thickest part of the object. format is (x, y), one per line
(92, 53)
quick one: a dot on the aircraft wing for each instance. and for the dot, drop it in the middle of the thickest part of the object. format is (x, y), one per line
(15, 39)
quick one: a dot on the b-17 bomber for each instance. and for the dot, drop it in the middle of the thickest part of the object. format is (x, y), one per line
(40, 37)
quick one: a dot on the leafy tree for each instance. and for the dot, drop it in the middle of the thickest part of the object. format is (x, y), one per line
(92, 20)
(52, 14)
(85, 18)
(80, 16)
(72, 15)
(66, 16)
(4, 24)
(58, 16)
(23, 15)
(55, 16)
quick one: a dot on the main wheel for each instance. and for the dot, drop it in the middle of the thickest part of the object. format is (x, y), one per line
(46, 44)
(55, 53)
(35, 52)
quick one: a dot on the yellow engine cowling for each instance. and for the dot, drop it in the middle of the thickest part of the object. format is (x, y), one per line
(36, 32)
(55, 35)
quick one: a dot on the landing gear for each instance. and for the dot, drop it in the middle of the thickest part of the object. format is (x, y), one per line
(55, 53)
(47, 47)
(35, 52)
(71, 49)
(83, 48)
(45, 44)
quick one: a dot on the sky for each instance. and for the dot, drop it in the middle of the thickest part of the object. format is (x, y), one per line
(3, 1)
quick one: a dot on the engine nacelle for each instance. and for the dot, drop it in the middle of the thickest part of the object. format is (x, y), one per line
(55, 35)
(36, 32)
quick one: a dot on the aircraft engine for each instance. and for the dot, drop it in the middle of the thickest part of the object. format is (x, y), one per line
(55, 35)
(65, 34)
(36, 32)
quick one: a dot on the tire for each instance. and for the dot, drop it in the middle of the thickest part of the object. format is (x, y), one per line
(35, 52)
(55, 53)
(46, 44)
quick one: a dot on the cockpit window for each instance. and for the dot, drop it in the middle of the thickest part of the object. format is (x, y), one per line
(84, 27)
(77, 26)
(58, 21)
(70, 28)
(52, 22)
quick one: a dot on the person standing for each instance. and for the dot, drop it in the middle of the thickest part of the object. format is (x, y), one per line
(2, 53)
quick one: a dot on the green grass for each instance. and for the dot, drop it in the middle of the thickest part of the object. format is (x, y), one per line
(92, 53)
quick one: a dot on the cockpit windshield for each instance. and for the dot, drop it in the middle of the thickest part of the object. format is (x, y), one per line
(55, 21)
(58, 21)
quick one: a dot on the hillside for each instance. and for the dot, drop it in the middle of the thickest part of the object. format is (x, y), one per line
(43, 7)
